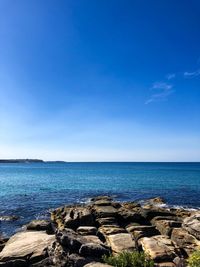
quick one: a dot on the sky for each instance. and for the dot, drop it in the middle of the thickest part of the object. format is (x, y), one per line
(101, 80)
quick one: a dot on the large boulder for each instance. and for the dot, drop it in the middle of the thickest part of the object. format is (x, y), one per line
(165, 227)
(39, 225)
(159, 248)
(93, 250)
(121, 242)
(30, 246)
(139, 231)
(70, 239)
(72, 217)
(126, 216)
(104, 211)
(184, 240)
(192, 225)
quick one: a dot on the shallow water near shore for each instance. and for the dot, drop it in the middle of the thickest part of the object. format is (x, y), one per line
(31, 190)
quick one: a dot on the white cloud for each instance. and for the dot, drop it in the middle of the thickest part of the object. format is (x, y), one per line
(170, 76)
(191, 74)
(163, 90)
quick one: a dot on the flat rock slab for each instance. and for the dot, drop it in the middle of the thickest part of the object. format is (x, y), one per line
(105, 211)
(111, 230)
(159, 248)
(30, 245)
(165, 227)
(121, 242)
(93, 239)
(87, 230)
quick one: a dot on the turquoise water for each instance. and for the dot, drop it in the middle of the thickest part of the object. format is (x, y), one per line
(30, 190)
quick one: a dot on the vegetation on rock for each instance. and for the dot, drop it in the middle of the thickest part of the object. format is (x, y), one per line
(129, 259)
(194, 259)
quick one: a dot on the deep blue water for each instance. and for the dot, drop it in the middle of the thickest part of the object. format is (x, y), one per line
(30, 190)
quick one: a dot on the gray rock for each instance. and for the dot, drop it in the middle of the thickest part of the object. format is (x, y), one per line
(87, 230)
(70, 239)
(39, 225)
(93, 250)
(192, 225)
(29, 246)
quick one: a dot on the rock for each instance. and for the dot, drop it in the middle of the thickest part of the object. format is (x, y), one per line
(165, 218)
(101, 198)
(104, 211)
(70, 239)
(26, 245)
(92, 239)
(76, 260)
(165, 226)
(102, 202)
(87, 230)
(9, 218)
(79, 216)
(93, 250)
(149, 214)
(142, 231)
(110, 230)
(184, 240)
(14, 263)
(72, 217)
(126, 216)
(97, 264)
(39, 225)
(156, 201)
(192, 225)
(159, 248)
(107, 221)
(165, 264)
(43, 263)
(121, 242)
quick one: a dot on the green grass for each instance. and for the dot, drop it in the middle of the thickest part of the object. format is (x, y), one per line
(194, 259)
(129, 259)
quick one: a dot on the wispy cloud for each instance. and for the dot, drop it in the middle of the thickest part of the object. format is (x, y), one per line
(170, 76)
(191, 74)
(161, 92)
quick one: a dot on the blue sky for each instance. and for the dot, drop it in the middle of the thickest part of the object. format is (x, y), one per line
(101, 80)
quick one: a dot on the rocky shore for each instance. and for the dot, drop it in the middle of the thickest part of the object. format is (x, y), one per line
(80, 235)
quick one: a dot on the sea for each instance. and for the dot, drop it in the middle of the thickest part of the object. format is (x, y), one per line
(31, 190)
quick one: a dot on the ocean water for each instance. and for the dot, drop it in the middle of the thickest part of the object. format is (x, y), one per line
(31, 190)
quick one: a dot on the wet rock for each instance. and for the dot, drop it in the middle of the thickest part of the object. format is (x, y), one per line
(93, 250)
(87, 230)
(121, 242)
(108, 198)
(31, 246)
(159, 248)
(192, 225)
(9, 218)
(40, 225)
